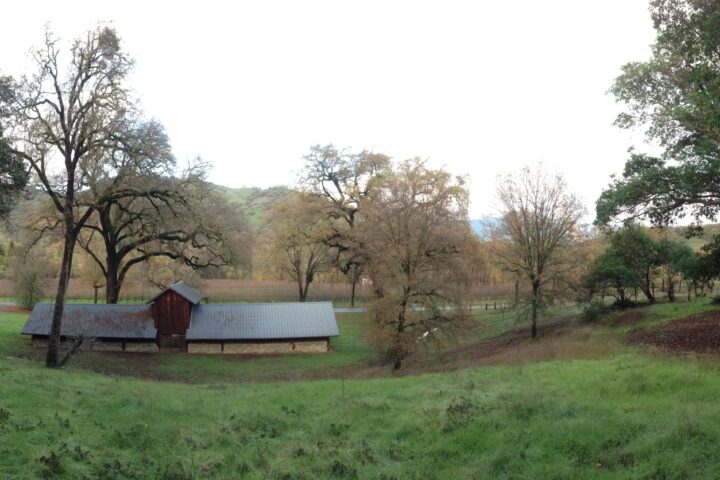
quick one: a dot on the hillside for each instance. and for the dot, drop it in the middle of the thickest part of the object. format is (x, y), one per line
(255, 201)
(580, 402)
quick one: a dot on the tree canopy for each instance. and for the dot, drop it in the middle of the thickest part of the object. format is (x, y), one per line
(418, 243)
(13, 172)
(675, 98)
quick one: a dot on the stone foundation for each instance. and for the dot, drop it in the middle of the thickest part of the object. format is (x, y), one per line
(103, 346)
(265, 348)
(215, 348)
(141, 347)
(230, 348)
(315, 346)
(39, 342)
(98, 346)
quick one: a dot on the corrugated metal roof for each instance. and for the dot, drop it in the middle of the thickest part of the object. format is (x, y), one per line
(92, 321)
(262, 321)
(184, 290)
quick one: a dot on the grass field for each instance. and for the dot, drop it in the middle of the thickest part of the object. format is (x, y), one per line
(545, 411)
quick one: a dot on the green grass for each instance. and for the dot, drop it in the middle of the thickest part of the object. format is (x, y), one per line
(629, 415)
(659, 313)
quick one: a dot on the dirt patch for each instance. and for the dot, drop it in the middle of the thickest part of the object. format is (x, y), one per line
(697, 333)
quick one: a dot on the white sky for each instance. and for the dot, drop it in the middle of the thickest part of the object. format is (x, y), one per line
(479, 87)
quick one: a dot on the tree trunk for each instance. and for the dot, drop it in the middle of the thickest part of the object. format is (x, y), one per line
(301, 292)
(535, 301)
(96, 287)
(647, 292)
(112, 286)
(648, 288)
(670, 290)
(517, 291)
(398, 332)
(354, 283)
(112, 263)
(52, 359)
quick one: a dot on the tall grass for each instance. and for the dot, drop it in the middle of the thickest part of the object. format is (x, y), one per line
(630, 417)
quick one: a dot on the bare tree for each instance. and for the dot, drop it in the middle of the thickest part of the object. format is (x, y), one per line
(182, 219)
(539, 220)
(418, 243)
(344, 179)
(64, 120)
(294, 234)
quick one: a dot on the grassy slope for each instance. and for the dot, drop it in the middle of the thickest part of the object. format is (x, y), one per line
(629, 415)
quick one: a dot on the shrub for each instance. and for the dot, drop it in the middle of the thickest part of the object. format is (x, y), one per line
(592, 311)
(31, 271)
(622, 304)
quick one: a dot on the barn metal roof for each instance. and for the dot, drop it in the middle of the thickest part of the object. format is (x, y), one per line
(93, 321)
(184, 290)
(262, 321)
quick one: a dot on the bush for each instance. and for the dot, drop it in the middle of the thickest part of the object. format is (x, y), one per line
(31, 271)
(623, 304)
(592, 311)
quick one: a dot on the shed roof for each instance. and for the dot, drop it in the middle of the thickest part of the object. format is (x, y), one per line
(92, 321)
(184, 290)
(262, 321)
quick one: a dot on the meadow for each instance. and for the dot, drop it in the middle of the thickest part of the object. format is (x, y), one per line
(604, 408)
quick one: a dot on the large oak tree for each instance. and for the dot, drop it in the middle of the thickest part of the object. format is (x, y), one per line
(675, 98)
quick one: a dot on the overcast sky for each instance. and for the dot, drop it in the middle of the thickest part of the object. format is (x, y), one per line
(479, 88)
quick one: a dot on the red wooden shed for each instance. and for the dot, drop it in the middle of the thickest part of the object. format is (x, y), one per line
(171, 312)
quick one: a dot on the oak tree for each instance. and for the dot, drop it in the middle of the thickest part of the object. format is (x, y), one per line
(294, 236)
(417, 241)
(674, 96)
(345, 180)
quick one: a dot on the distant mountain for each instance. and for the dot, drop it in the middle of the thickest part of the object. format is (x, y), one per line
(255, 201)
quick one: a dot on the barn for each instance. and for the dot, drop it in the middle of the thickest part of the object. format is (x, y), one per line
(177, 320)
